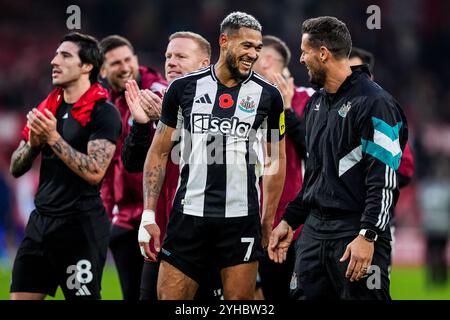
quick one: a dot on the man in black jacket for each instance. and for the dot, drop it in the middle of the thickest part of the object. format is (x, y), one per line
(355, 136)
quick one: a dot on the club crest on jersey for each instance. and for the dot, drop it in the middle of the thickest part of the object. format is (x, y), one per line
(293, 284)
(345, 109)
(225, 101)
(205, 123)
(247, 104)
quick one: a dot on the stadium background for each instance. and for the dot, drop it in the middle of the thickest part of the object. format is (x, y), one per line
(412, 51)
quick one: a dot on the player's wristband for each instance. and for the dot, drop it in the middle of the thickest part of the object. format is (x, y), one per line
(148, 217)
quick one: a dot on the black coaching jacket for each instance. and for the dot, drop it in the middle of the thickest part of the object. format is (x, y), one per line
(354, 143)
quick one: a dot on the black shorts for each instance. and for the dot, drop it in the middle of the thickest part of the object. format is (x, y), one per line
(195, 245)
(210, 286)
(65, 251)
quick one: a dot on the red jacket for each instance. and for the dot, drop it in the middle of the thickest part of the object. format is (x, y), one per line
(294, 175)
(406, 169)
(120, 188)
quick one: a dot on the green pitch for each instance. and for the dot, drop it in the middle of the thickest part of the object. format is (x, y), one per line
(406, 283)
(411, 284)
(110, 285)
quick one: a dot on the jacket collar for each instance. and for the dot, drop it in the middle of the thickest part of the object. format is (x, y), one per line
(357, 72)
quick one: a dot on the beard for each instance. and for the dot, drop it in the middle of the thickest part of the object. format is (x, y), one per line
(118, 83)
(317, 78)
(230, 60)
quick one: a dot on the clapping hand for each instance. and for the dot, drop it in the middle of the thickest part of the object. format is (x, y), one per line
(144, 105)
(286, 87)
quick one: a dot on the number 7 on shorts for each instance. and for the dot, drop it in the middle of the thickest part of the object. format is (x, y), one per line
(250, 242)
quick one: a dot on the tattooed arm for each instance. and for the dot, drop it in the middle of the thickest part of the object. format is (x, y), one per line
(91, 166)
(154, 173)
(155, 164)
(22, 159)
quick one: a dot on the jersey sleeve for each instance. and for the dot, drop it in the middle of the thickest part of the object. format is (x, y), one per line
(383, 137)
(105, 123)
(276, 119)
(171, 103)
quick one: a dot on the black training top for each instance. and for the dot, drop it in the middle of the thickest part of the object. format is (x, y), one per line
(61, 191)
(354, 143)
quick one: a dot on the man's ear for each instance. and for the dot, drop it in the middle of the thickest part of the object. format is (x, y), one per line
(103, 71)
(137, 59)
(205, 62)
(223, 40)
(86, 67)
(324, 54)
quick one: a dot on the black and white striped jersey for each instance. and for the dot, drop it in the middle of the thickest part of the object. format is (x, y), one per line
(222, 134)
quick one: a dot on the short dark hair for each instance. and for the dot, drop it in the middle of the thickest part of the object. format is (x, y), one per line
(236, 20)
(89, 51)
(114, 41)
(365, 56)
(203, 44)
(330, 33)
(279, 46)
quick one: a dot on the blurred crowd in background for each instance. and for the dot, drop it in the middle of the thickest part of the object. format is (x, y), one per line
(411, 49)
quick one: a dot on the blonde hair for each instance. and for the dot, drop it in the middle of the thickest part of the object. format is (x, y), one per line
(203, 44)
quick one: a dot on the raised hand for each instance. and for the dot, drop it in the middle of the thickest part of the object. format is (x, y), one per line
(151, 104)
(43, 126)
(144, 105)
(134, 102)
(286, 88)
(34, 139)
